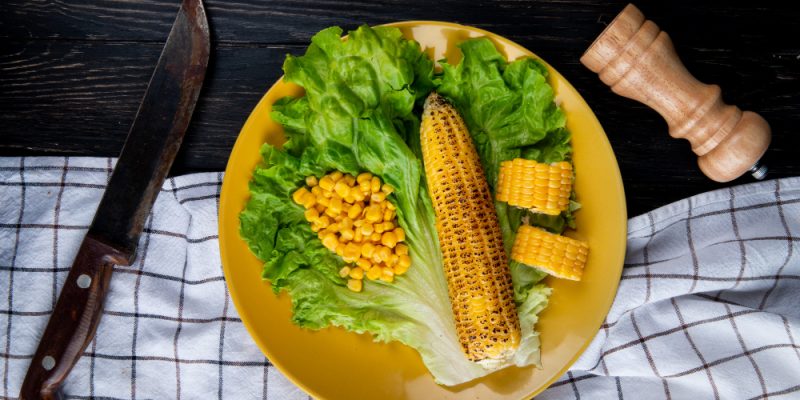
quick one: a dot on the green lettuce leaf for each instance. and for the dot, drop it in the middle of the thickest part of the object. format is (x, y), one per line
(360, 113)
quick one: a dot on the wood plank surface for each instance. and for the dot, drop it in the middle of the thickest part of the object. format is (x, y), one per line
(72, 73)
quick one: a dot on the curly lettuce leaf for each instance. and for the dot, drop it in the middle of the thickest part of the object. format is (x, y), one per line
(358, 115)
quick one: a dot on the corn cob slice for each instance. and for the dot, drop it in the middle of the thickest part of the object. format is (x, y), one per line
(475, 263)
(557, 255)
(541, 187)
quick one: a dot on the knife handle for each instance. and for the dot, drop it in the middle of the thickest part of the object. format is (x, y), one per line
(74, 320)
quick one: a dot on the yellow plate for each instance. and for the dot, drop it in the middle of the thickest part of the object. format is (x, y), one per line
(336, 364)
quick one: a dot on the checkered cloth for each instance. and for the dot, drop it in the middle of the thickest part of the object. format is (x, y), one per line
(708, 305)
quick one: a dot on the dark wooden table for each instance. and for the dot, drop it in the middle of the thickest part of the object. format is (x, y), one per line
(72, 73)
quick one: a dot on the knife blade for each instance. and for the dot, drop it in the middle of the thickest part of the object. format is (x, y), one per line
(150, 148)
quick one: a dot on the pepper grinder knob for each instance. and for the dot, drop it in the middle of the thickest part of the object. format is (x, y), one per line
(637, 60)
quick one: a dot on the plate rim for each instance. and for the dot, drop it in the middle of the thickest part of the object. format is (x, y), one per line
(237, 300)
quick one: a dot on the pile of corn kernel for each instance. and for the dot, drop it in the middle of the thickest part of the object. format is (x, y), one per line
(353, 218)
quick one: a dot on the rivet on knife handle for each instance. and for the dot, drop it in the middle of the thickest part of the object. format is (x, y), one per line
(637, 60)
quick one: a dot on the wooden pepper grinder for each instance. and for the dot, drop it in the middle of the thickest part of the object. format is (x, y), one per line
(637, 60)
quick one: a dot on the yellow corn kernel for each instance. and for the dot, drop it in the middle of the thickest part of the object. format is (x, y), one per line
(358, 195)
(347, 234)
(334, 227)
(350, 198)
(300, 195)
(324, 221)
(367, 249)
(326, 183)
(387, 275)
(373, 213)
(390, 206)
(367, 228)
(375, 184)
(404, 261)
(309, 201)
(388, 215)
(377, 197)
(543, 188)
(400, 233)
(311, 181)
(374, 272)
(354, 285)
(346, 222)
(379, 228)
(364, 264)
(317, 191)
(330, 241)
(401, 249)
(315, 228)
(387, 189)
(357, 273)
(324, 201)
(385, 253)
(341, 188)
(393, 259)
(389, 239)
(352, 252)
(335, 206)
(344, 272)
(557, 255)
(375, 237)
(399, 269)
(336, 175)
(358, 237)
(475, 263)
(354, 211)
(350, 180)
(311, 215)
(388, 226)
(364, 187)
(319, 207)
(364, 176)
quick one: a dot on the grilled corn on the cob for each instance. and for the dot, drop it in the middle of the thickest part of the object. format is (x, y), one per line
(543, 188)
(475, 263)
(557, 255)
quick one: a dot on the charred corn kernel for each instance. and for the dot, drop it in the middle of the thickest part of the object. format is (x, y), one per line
(387, 189)
(300, 194)
(347, 234)
(375, 184)
(387, 275)
(401, 235)
(354, 211)
(557, 255)
(401, 249)
(367, 249)
(354, 285)
(373, 213)
(329, 240)
(364, 177)
(544, 188)
(357, 273)
(341, 188)
(364, 264)
(311, 181)
(374, 272)
(375, 237)
(344, 272)
(389, 239)
(311, 214)
(377, 197)
(367, 229)
(326, 183)
(475, 263)
(336, 175)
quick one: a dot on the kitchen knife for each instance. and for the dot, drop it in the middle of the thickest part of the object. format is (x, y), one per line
(146, 157)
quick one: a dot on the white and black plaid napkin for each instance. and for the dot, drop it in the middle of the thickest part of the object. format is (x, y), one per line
(708, 306)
